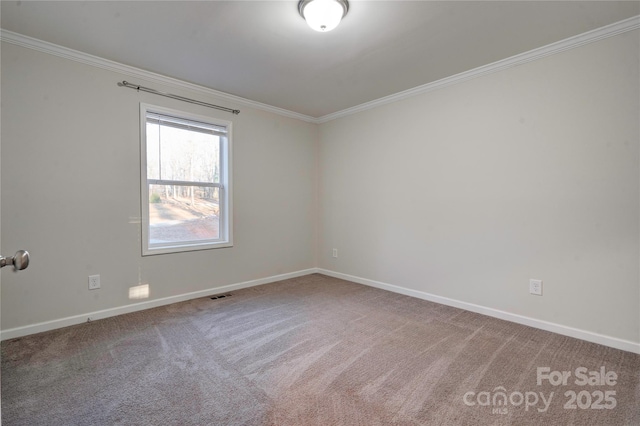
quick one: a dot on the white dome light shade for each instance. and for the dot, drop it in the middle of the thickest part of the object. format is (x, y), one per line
(323, 15)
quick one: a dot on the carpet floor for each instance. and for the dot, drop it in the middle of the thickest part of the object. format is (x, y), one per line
(314, 350)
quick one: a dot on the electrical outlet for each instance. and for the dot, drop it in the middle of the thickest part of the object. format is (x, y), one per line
(335, 253)
(94, 282)
(535, 287)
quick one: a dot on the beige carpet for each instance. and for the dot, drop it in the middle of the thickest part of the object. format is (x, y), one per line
(312, 351)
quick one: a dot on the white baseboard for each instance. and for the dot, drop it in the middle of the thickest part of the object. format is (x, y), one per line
(12, 333)
(589, 336)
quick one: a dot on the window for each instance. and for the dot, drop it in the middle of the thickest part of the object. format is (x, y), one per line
(186, 181)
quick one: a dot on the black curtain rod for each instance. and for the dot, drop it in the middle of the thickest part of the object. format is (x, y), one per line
(180, 98)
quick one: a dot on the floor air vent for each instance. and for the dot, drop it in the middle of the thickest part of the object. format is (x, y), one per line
(221, 296)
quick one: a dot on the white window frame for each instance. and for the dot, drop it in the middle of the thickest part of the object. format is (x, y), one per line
(225, 186)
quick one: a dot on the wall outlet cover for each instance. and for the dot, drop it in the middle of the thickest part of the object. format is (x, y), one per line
(94, 282)
(535, 287)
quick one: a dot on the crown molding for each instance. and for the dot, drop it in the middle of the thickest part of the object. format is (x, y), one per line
(522, 58)
(87, 59)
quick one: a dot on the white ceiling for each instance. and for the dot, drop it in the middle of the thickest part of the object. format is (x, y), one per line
(264, 51)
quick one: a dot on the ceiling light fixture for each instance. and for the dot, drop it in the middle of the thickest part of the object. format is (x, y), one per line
(323, 15)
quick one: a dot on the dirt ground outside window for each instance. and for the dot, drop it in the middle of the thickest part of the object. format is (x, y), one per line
(177, 221)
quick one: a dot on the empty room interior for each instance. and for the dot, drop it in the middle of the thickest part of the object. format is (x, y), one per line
(240, 213)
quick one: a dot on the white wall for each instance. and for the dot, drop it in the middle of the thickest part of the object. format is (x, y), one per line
(469, 191)
(71, 185)
(463, 193)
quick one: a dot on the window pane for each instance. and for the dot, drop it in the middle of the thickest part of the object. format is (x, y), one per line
(179, 214)
(153, 151)
(183, 155)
